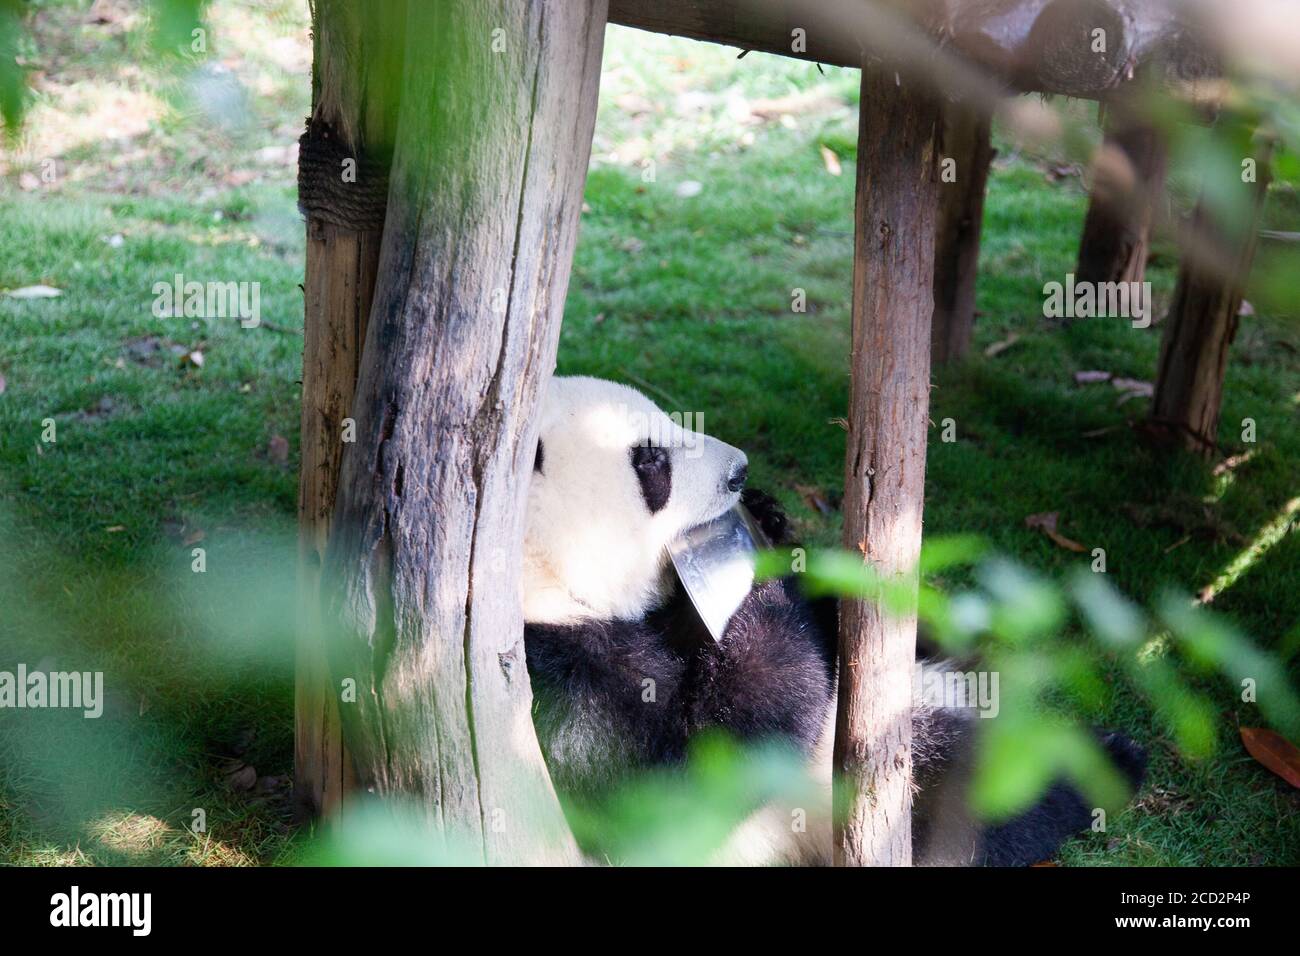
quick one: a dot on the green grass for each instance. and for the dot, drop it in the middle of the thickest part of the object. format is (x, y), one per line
(689, 297)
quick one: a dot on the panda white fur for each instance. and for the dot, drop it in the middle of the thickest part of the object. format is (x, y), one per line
(615, 480)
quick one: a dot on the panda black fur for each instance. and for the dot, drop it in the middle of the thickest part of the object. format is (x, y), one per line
(616, 480)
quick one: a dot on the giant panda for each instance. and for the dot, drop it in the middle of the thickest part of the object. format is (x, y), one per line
(615, 480)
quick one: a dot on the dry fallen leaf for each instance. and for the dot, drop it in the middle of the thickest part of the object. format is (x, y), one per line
(831, 161)
(35, 292)
(1134, 386)
(997, 348)
(814, 498)
(194, 537)
(1046, 522)
(1228, 465)
(277, 449)
(1058, 171)
(242, 779)
(1098, 432)
(1091, 377)
(239, 177)
(1274, 751)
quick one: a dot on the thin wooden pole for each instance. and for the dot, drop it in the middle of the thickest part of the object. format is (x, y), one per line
(1202, 320)
(968, 144)
(356, 78)
(1128, 181)
(893, 274)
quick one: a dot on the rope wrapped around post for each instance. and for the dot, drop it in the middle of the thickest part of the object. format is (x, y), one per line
(338, 187)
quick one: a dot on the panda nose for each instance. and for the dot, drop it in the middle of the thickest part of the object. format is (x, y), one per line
(738, 476)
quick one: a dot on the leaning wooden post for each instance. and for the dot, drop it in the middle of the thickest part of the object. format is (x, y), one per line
(967, 143)
(893, 272)
(1202, 319)
(497, 114)
(1128, 179)
(343, 192)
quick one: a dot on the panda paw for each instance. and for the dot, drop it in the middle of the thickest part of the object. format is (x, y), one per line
(1128, 755)
(767, 512)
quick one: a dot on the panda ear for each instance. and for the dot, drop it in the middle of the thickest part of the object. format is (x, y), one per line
(537, 461)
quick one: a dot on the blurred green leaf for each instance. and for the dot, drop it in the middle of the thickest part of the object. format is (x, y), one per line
(1211, 642)
(1016, 762)
(174, 23)
(940, 554)
(1188, 716)
(388, 834)
(668, 817)
(1025, 606)
(1111, 617)
(13, 78)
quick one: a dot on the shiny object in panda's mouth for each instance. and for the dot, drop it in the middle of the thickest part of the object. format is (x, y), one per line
(715, 563)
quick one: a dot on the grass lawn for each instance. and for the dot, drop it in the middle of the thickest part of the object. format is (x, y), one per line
(708, 203)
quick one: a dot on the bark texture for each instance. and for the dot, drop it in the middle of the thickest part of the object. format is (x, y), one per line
(967, 141)
(355, 76)
(893, 275)
(498, 109)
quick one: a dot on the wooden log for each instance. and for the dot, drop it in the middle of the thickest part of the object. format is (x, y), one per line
(1029, 45)
(354, 94)
(341, 269)
(897, 199)
(1128, 178)
(1202, 319)
(1085, 48)
(968, 143)
(494, 136)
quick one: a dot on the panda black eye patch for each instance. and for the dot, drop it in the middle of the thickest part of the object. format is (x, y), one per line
(655, 472)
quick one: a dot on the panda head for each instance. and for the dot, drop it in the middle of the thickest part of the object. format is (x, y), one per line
(614, 481)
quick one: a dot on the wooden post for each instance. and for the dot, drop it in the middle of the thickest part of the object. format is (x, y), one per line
(355, 83)
(1202, 320)
(497, 114)
(1128, 178)
(893, 274)
(966, 141)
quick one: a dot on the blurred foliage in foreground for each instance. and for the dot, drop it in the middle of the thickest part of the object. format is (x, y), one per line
(1014, 623)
